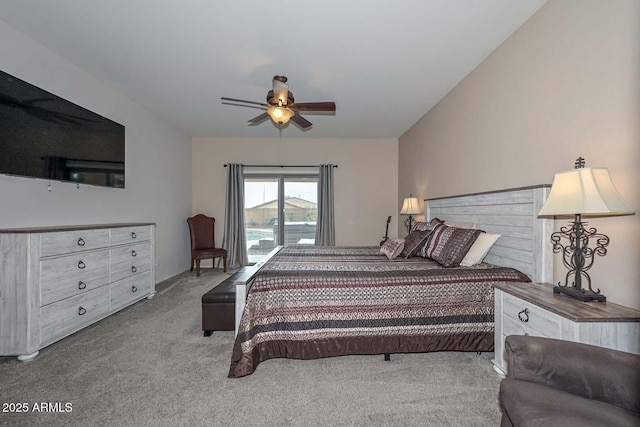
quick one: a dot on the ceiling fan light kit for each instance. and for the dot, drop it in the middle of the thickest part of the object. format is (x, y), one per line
(281, 106)
(280, 115)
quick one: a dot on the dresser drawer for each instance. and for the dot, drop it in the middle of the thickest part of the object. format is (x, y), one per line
(534, 319)
(124, 235)
(130, 260)
(65, 242)
(73, 274)
(69, 315)
(130, 289)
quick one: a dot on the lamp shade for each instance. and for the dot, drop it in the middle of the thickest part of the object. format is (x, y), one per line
(410, 206)
(587, 191)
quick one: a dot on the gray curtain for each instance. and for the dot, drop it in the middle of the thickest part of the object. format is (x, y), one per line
(234, 237)
(325, 229)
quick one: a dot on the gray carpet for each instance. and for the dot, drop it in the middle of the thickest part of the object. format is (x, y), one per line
(150, 365)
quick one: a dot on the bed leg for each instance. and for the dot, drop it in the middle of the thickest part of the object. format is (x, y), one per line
(207, 333)
(478, 353)
(387, 357)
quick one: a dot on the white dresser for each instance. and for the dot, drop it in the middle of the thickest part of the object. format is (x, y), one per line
(55, 281)
(533, 309)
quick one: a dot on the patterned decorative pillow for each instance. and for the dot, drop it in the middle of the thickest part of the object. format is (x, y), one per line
(413, 242)
(448, 245)
(425, 226)
(392, 248)
(460, 224)
(420, 226)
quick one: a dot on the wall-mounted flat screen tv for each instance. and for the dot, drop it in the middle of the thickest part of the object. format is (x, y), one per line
(45, 136)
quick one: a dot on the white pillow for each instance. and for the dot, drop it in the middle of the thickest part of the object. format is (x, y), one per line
(479, 249)
(392, 248)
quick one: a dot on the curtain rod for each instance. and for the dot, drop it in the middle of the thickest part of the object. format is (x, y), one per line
(282, 166)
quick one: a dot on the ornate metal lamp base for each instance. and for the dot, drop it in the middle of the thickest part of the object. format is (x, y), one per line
(581, 294)
(408, 222)
(578, 257)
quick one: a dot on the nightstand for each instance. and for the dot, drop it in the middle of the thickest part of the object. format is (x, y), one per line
(533, 309)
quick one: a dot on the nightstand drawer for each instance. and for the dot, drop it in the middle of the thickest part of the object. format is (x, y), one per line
(516, 327)
(531, 318)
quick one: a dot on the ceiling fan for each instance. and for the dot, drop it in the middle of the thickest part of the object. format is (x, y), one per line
(281, 106)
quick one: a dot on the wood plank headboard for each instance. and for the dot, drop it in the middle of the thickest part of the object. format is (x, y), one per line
(513, 213)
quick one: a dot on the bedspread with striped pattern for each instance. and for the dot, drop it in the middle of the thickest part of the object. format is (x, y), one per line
(309, 302)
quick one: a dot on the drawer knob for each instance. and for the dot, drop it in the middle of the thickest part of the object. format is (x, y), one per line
(81, 241)
(134, 289)
(81, 311)
(81, 285)
(133, 253)
(81, 265)
(133, 235)
(133, 269)
(524, 315)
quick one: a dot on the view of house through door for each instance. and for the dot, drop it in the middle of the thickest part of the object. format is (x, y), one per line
(279, 209)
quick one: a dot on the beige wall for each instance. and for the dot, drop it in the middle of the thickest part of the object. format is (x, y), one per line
(158, 161)
(566, 84)
(366, 180)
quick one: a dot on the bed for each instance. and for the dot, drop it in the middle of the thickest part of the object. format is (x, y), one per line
(310, 302)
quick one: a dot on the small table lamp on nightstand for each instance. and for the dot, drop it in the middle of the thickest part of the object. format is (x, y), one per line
(410, 207)
(578, 192)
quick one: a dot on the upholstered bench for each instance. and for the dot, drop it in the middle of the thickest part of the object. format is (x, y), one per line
(219, 308)
(223, 305)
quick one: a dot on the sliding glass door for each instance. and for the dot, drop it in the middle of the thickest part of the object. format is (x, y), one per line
(279, 210)
(300, 211)
(261, 208)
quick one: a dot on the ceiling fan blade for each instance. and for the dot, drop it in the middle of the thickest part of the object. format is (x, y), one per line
(314, 106)
(243, 105)
(259, 118)
(300, 121)
(280, 89)
(243, 101)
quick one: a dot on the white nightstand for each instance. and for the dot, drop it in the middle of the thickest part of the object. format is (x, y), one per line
(533, 309)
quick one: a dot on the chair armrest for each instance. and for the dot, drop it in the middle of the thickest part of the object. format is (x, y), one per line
(599, 373)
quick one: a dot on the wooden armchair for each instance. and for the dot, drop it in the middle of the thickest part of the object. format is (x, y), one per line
(203, 241)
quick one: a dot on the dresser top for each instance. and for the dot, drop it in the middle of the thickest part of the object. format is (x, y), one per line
(541, 294)
(53, 229)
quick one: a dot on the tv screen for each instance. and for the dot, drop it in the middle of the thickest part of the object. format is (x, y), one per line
(45, 136)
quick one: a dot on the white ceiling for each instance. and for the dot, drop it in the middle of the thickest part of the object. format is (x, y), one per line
(385, 63)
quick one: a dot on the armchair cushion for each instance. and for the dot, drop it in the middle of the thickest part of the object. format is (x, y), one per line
(585, 370)
(555, 382)
(531, 404)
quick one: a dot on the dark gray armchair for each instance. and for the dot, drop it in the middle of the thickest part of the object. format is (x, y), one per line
(562, 383)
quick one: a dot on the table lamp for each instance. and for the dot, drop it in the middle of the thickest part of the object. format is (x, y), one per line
(410, 207)
(583, 191)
